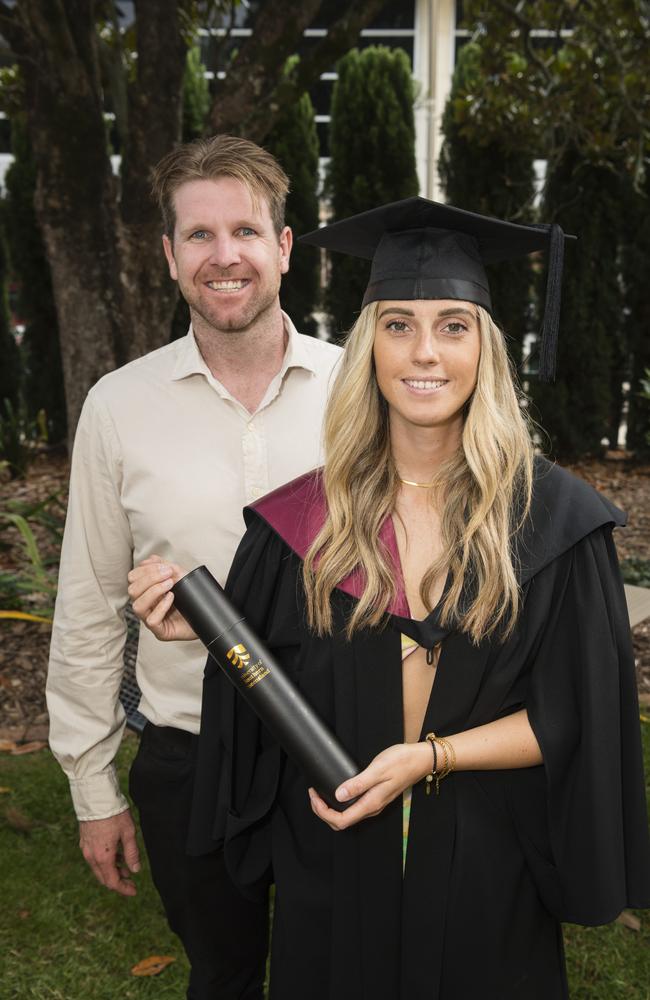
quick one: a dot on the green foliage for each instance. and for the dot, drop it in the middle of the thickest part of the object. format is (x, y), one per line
(196, 96)
(372, 145)
(294, 141)
(14, 439)
(12, 90)
(585, 85)
(493, 179)
(32, 588)
(43, 375)
(636, 571)
(576, 410)
(567, 82)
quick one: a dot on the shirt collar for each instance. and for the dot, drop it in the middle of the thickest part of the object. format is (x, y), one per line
(189, 360)
(297, 354)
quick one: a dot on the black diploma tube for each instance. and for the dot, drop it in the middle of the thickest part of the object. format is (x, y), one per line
(264, 684)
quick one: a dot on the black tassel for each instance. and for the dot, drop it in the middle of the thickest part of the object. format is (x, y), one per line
(551, 324)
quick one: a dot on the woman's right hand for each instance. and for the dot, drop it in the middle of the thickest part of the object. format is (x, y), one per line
(149, 590)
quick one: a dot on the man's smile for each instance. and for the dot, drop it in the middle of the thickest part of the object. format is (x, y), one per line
(228, 285)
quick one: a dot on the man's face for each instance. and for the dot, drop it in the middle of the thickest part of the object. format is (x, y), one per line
(226, 256)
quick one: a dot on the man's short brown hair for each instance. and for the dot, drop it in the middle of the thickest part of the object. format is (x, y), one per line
(221, 156)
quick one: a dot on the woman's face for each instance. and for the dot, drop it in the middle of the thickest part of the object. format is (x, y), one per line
(426, 355)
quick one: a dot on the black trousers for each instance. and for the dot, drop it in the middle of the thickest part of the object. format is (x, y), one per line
(224, 935)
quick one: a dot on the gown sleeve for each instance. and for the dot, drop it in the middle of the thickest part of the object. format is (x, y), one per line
(583, 708)
(237, 761)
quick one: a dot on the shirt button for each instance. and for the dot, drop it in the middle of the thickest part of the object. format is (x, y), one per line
(250, 427)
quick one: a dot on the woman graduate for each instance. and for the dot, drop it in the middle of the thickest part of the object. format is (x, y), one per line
(452, 607)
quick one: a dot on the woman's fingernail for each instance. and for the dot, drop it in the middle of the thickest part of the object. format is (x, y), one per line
(342, 794)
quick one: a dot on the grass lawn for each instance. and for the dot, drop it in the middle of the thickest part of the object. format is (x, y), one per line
(63, 937)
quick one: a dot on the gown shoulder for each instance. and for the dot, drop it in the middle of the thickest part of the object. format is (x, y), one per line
(564, 509)
(296, 511)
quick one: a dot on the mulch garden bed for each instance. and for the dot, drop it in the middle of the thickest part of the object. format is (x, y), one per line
(24, 645)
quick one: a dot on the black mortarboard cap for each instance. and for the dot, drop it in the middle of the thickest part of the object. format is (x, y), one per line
(421, 249)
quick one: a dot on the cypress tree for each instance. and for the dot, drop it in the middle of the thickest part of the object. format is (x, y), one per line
(196, 96)
(496, 179)
(636, 269)
(372, 147)
(43, 387)
(576, 411)
(294, 141)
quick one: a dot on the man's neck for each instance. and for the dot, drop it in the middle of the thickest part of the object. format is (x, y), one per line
(244, 361)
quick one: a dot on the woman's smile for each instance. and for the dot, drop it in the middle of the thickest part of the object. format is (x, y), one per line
(424, 386)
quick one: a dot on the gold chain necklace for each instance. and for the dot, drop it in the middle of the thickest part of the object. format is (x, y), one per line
(409, 482)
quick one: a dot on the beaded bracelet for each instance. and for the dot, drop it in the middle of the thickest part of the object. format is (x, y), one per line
(448, 766)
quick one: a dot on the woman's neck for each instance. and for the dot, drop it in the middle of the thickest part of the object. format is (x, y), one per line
(420, 451)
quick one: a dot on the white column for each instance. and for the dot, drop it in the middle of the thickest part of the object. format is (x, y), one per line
(421, 55)
(434, 50)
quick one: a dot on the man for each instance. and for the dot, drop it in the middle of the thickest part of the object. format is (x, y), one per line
(168, 451)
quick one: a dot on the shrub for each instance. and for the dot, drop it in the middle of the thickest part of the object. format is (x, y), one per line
(294, 141)
(372, 147)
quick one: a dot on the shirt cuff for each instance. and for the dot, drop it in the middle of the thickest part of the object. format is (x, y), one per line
(98, 796)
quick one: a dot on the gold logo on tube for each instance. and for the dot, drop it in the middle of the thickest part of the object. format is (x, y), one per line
(239, 656)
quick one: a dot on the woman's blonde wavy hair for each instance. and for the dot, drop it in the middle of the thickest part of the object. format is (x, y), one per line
(483, 494)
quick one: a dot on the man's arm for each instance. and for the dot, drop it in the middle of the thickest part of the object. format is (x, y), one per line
(88, 635)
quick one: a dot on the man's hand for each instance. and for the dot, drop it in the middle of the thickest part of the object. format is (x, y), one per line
(109, 846)
(149, 590)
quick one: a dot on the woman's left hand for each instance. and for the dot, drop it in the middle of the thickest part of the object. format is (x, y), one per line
(386, 777)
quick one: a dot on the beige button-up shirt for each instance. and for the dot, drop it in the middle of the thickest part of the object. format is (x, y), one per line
(164, 461)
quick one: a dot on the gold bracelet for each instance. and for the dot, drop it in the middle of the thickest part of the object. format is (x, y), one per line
(446, 768)
(452, 755)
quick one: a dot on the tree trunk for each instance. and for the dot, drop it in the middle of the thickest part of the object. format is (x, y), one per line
(151, 294)
(113, 297)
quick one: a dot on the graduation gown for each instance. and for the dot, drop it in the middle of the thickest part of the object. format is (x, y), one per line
(499, 857)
